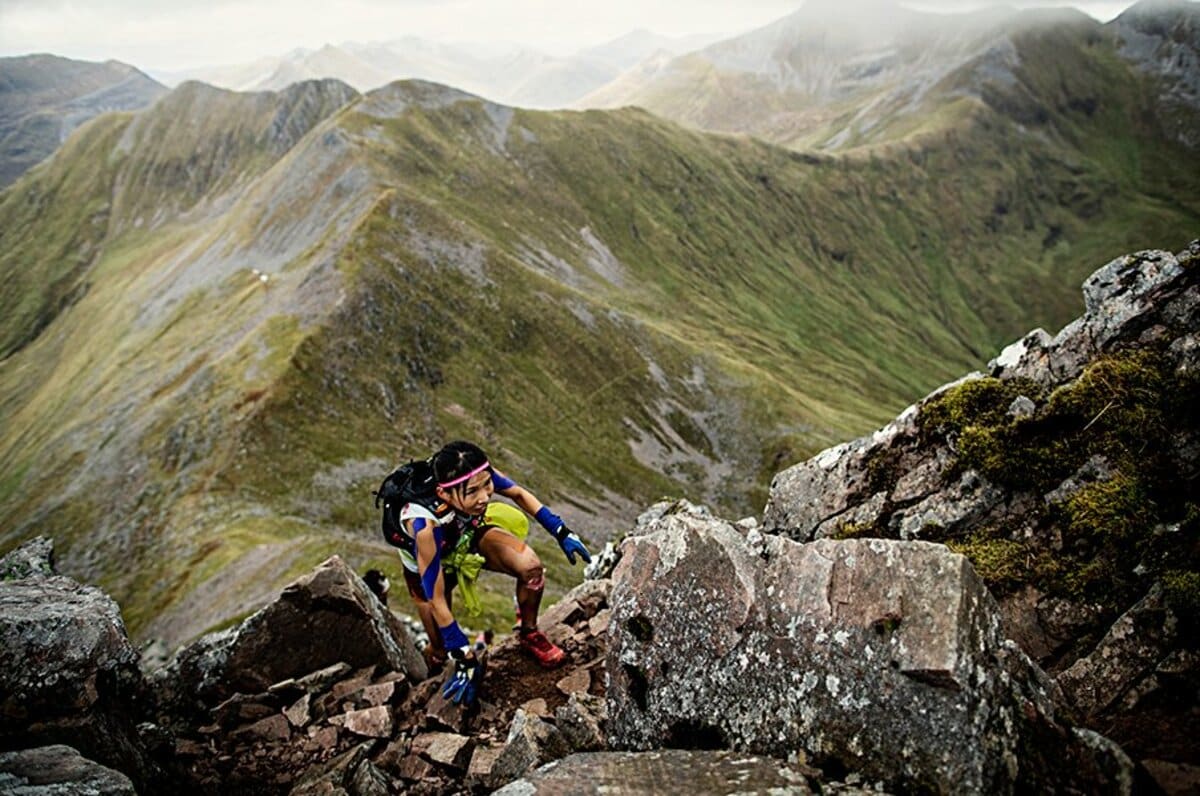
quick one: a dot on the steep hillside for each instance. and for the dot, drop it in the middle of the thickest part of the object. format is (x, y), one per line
(1163, 39)
(44, 97)
(615, 307)
(177, 162)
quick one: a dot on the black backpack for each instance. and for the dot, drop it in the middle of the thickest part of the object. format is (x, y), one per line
(408, 483)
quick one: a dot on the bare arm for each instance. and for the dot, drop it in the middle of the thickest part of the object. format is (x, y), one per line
(433, 581)
(525, 499)
(570, 542)
(429, 567)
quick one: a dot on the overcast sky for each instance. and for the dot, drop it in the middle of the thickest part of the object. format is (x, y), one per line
(175, 34)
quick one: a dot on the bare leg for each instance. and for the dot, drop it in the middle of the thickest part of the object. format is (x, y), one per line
(505, 553)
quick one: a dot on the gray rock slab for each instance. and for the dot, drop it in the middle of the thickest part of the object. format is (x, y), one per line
(59, 770)
(665, 771)
(880, 657)
(68, 673)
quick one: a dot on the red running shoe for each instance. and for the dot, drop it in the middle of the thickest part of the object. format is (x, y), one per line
(543, 651)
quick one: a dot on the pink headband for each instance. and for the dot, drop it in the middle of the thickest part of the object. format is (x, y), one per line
(466, 477)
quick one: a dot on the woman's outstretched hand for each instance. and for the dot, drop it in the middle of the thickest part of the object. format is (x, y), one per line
(572, 544)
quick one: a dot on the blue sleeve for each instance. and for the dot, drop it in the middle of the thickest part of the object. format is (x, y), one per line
(549, 520)
(452, 636)
(430, 576)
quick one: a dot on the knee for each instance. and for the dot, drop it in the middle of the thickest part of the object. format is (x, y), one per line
(533, 577)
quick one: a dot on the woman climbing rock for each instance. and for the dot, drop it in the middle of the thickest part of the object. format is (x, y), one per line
(451, 530)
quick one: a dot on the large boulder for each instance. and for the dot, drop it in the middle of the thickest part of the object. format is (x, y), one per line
(879, 657)
(328, 616)
(68, 673)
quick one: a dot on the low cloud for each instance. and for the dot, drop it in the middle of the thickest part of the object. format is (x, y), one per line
(187, 33)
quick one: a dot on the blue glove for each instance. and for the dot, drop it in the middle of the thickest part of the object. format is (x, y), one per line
(462, 686)
(571, 544)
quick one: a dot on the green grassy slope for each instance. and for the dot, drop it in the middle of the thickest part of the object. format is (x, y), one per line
(615, 307)
(55, 225)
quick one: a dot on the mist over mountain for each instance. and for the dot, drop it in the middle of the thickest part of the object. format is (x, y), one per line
(832, 76)
(508, 74)
(44, 97)
(1163, 39)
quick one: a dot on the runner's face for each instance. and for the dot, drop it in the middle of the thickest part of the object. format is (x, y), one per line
(473, 496)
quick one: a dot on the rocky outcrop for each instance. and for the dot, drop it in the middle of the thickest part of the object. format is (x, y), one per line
(59, 771)
(886, 479)
(1068, 474)
(1146, 297)
(68, 674)
(257, 709)
(880, 657)
(326, 617)
(363, 724)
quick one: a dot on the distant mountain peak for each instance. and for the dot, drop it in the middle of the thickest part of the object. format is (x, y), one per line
(840, 8)
(395, 98)
(1154, 14)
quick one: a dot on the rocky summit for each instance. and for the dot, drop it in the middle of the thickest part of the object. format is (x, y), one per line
(997, 592)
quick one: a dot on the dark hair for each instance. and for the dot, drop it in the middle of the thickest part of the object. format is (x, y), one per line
(455, 460)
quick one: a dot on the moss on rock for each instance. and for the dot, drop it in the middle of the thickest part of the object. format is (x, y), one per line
(1182, 589)
(1002, 563)
(1126, 407)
